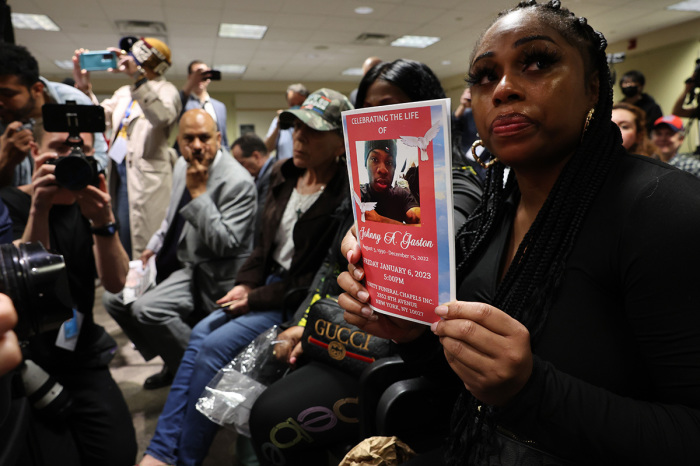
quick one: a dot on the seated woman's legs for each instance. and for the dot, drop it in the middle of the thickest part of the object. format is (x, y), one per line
(218, 349)
(164, 445)
(298, 417)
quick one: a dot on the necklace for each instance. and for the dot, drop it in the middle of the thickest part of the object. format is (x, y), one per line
(302, 202)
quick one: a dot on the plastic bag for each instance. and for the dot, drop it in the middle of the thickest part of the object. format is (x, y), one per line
(378, 451)
(230, 395)
(139, 279)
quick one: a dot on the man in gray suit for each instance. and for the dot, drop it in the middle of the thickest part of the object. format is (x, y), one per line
(206, 235)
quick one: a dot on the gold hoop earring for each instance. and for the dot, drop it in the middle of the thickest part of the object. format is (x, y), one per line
(486, 165)
(589, 117)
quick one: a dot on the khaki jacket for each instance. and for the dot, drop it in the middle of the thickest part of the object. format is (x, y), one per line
(149, 157)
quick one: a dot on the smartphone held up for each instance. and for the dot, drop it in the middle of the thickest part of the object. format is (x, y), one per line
(100, 60)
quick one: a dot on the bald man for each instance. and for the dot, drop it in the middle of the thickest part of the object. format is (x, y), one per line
(367, 65)
(206, 235)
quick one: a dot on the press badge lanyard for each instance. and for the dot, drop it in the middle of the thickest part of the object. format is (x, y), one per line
(117, 150)
(67, 337)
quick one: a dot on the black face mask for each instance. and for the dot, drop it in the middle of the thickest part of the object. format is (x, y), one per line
(630, 91)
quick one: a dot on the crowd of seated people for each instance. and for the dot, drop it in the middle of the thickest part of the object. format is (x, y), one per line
(234, 229)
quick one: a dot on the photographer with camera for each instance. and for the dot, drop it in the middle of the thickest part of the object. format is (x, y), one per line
(691, 85)
(22, 94)
(142, 116)
(94, 426)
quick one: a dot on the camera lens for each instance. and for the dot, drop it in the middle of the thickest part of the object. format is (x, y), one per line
(46, 395)
(74, 172)
(37, 283)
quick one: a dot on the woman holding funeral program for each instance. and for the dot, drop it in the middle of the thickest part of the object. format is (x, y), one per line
(278, 417)
(575, 338)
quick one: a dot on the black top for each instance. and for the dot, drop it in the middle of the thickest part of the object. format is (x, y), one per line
(467, 130)
(392, 203)
(466, 193)
(616, 378)
(651, 108)
(312, 234)
(5, 224)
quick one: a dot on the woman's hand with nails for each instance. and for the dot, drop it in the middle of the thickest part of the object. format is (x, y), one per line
(356, 300)
(488, 349)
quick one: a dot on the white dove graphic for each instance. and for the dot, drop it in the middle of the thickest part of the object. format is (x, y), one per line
(364, 206)
(422, 142)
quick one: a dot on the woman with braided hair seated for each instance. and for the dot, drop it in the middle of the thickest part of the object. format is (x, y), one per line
(575, 336)
(279, 432)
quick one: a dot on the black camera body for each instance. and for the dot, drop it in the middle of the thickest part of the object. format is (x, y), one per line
(37, 283)
(75, 171)
(695, 81)
(214, 75)
(28, 125)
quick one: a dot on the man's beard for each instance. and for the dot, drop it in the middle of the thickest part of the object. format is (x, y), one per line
(22, 114)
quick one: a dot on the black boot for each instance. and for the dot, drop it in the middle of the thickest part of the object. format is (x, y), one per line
(159, 380)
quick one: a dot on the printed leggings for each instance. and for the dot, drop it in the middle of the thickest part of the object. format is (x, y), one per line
(298, 417)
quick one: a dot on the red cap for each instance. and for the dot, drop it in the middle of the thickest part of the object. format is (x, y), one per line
(672, 121)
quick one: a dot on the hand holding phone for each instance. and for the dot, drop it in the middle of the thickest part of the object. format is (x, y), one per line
(214, 75)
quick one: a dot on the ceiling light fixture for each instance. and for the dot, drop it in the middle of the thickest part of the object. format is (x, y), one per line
(352, 72)
(242, 31)
(64, 64)
(364, 10)
(35, 22)
(418, 42)
(689, 5)
(231, 69)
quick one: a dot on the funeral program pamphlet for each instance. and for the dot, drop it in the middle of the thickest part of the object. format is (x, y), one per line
(399, 164)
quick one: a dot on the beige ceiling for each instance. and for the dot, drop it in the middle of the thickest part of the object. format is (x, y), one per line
(309, 40)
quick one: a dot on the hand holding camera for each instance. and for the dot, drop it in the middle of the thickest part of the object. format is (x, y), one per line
(15, 142)
(95, 204)
(48, 189)
(127, 64)
(112, 60)
(199, 77)
(81, 76)
(45, 191)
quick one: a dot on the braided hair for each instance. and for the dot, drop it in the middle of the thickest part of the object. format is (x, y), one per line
(418, 82)
(529, 287)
